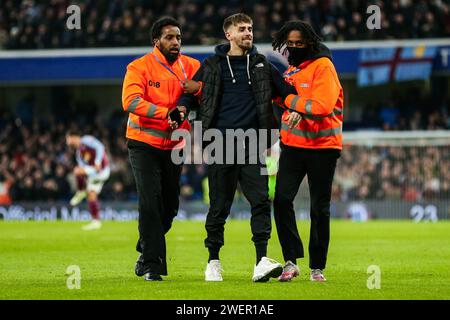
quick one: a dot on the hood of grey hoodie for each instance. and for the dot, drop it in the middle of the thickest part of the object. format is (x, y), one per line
(222, 51)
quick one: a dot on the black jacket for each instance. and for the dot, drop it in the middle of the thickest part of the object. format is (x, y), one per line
(262, 78)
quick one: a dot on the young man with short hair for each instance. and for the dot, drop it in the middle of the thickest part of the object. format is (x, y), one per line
(237, 87)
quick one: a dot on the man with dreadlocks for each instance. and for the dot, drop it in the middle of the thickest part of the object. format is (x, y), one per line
(311, 142)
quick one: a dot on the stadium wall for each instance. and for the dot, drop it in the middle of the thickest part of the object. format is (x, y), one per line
(72, 66)
(196, 210)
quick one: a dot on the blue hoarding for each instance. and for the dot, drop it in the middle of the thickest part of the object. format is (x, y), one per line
(102, 65)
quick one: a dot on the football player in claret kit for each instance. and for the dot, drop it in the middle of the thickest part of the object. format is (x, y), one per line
(91, 173)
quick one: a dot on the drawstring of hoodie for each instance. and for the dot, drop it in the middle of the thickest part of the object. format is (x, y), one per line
(231, 70)
(248, 69)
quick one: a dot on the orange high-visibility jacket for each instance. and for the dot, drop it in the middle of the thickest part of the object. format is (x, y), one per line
(320, 101)
(151, 89)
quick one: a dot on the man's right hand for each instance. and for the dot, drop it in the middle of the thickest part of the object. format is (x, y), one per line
(172, 123)
(293, 119)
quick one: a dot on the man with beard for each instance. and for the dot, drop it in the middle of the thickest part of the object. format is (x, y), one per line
(235, 92)
(311, 142)
(152, 86)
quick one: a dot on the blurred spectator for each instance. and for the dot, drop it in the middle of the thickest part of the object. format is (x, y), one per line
(116, 192)
(25, 109)
(389, 116)
(6, 180)
(31, 24)
(191, 180)
(62, 184)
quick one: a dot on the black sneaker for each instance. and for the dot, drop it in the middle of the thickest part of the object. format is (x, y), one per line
(152, 277)
(139, 269)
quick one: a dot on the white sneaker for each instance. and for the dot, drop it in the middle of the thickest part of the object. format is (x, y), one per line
(213, 271)
(266, 269)
(78, 197)
(93, 225)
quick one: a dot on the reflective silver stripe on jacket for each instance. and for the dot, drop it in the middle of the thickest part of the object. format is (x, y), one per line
(313, 135)
(153, 132)
(336, 112)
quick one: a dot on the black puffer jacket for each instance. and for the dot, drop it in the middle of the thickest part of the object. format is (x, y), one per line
(265, 80)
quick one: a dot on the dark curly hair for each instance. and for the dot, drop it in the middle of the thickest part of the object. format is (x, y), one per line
(310, 37)
(160, 24)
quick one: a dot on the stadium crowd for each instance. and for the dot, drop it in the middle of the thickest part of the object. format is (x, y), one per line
(407, 110)
(400, 173)
(33, 155)
(36, 165)
(31, 24)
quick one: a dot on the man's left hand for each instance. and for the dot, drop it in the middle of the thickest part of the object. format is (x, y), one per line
(191, 86)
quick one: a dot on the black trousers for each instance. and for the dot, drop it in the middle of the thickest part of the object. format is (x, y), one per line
(319, 166)
(157, 182)
(223, 179)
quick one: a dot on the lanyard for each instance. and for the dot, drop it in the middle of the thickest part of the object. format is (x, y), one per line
(171, 71)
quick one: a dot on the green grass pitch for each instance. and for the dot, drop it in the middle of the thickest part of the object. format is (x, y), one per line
(414, 260)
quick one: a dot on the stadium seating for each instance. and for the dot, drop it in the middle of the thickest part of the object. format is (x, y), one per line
(29, 24)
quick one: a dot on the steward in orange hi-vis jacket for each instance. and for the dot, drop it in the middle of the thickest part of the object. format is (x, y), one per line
(152, 86)
(311, 143)
(320, 102)
(151, 89)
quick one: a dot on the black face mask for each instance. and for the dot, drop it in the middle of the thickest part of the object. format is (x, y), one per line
(297, 55)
